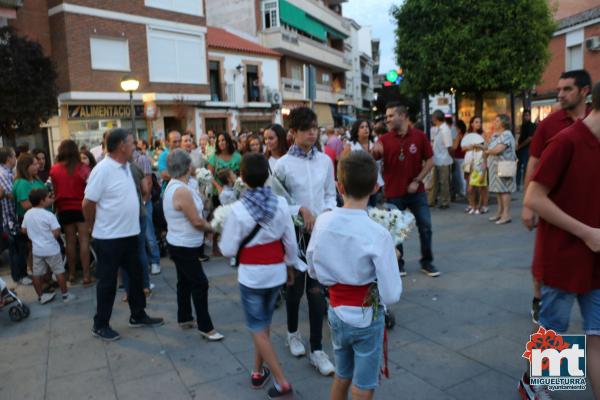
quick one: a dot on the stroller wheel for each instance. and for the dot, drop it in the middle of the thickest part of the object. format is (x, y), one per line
(25, 310)
(390, 320)
(15, 313)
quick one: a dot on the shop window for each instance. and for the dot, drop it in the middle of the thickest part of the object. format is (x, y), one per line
(193, 7)
(252, 83)
(176, 57)
(270, 17)
(215, 81)
(109, 54)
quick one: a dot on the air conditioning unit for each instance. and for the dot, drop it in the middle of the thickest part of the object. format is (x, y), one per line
(593, 43)
(275, 98)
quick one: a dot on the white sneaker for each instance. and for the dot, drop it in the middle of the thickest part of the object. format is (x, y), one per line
(46, 298)
(232, 262)
(321, 362)
(155, 269)
(68, 297)
(152, 286)
(294, 342)
(26, 281)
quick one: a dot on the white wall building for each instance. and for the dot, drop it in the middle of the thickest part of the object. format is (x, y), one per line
(359, 80)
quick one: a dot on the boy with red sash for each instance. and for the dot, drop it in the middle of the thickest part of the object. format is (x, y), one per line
(355, 257)
(260, 233)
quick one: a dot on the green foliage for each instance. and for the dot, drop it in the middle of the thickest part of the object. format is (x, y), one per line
(27, 85)
(473, 45)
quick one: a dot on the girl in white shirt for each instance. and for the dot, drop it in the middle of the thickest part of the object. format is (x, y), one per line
(275, 144)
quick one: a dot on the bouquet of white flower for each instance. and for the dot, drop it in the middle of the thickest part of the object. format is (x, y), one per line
(398, 223)
(219, 217)
(239, 186)
(204, 176)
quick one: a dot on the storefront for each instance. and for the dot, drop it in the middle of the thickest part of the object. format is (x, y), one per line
(494, 103)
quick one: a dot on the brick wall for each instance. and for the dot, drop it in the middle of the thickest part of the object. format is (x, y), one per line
(32, 22)
(71, 53)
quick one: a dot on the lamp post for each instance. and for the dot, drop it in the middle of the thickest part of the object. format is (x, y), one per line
(130, 84)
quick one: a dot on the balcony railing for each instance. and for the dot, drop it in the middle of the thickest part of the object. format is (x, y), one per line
(292, 85)
(364, 78)
(11, 3)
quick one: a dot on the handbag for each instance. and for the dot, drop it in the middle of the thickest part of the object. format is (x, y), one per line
(507, 169)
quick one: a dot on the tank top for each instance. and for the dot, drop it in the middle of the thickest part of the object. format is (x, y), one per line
(180, 230)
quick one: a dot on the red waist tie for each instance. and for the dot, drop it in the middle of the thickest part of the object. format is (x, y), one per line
(263, 254)
(348, 295)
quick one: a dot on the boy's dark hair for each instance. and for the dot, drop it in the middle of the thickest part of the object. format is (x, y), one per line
(5, 154)
(254, 169)
(581, 76)
(357, 172)
(596, 97)
(223, 175)
(36, 196)
(302, 119)
(438, 115)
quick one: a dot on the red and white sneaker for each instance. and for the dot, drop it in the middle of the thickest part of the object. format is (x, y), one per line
(532, 392)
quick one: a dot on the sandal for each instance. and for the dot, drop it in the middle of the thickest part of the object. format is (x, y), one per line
(89, 282)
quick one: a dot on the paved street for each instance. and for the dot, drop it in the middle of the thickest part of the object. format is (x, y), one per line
(460, 336)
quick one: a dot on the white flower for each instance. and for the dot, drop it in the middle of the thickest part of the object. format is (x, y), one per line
(239, 185)
(204, 176)
(219, 217)
(398, 223)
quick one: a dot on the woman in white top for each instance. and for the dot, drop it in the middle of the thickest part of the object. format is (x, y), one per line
(276, 144)
(183, 212)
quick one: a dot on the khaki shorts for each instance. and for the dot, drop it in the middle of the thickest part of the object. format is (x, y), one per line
(41, 264)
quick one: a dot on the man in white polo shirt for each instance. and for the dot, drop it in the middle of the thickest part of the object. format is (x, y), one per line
(112, 207)
(442, 145)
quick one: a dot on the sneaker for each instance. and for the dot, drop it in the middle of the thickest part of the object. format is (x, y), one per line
(67, 297)
(25, 281)
(402, 269)
(485, 210)
(285, 391)
(477, 212)
(430, 270)
(107, 334)
(232, 262)
(531, 392)
(152, 286)
(259, 379)
(204, 258)
(294, 342)
(468, 210)
(46, 298)
(535, 310)
(155, 269)
(145, 321)
(320, 360)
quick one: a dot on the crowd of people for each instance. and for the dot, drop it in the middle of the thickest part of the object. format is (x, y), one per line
(125, 204)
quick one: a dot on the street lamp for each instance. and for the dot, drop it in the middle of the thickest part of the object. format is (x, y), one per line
(130, 84)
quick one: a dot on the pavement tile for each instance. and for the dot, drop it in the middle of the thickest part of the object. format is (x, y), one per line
(166, 385)
(405, 385)
(22, 382)
(90, 385)
(231, 387)
(76, 357)
(499, 353)
(491, 384)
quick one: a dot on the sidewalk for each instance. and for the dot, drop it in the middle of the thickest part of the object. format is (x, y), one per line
(459, 336)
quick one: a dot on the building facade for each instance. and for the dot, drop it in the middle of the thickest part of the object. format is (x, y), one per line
(94, 44)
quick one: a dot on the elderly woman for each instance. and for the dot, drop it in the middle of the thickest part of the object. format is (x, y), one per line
(501, 148)
(183, 212)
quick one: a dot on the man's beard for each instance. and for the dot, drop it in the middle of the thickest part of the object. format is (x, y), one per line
(570, 105)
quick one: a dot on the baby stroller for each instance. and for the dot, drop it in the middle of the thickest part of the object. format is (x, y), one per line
(16, 312)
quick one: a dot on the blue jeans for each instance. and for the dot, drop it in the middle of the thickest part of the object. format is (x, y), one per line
(555, 310)
(152, 244)
(523, 157)
(259, 305)
(357, 351)
(142, 256)
(417, 204)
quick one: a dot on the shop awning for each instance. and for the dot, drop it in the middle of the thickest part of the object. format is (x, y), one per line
(296, 17)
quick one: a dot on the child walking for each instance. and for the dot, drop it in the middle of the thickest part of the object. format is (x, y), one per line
(260, 234)
(355, 257)
(42, 228)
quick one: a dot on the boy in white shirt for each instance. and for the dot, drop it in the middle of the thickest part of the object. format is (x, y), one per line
(260, 234)
(42, 228)
(307, 175)
(353, 255)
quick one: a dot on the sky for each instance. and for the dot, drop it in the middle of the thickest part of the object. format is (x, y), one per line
(375, 13)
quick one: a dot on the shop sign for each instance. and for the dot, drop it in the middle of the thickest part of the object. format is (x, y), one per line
(96, 111)
(150, 110)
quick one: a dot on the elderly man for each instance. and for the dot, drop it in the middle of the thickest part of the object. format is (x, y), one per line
(112, 207)
(174, 142)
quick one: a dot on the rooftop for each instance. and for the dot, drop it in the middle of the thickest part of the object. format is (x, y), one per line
(578, 18)
(218, 38)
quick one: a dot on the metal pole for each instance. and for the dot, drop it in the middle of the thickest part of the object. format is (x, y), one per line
(133, 130)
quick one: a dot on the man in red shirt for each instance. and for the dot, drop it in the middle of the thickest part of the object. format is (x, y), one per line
(565, 192)
(407, 159)
(573, 89)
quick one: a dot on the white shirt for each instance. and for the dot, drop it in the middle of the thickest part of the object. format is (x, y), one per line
(40, 223)
(228, 195)
(348, 247)
(272, 162)
(180, 231)
(441, 142)
(240, 223)
(112, 188)
(309, 182)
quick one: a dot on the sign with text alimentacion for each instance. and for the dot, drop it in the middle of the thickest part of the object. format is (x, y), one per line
(103, 111)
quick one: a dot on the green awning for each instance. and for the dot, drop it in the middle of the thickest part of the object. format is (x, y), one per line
(293, 16)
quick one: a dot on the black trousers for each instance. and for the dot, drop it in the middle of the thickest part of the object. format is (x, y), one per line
(192, 286)
(315, 295)
(114, 254)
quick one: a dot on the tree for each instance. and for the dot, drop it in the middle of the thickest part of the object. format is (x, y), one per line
(27, 85)
(473, 45)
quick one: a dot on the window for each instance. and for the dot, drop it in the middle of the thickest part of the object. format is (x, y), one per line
(193, 7)
(270, 17)
(109, 54)
(574, 50)
(325, 78)
(252, 83)
(297, 72)
(215, 81)
(176, 57)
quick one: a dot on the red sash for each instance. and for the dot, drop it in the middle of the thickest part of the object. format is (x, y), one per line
(348, 295)
(263, 254)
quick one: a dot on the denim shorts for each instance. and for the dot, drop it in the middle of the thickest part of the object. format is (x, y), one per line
(358, 352)
(555, 310)
(259, 305)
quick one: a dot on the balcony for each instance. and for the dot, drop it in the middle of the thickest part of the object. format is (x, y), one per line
(293, 89)
(293, 44)
(321, 12)
(365, 79)
(325, 94)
